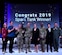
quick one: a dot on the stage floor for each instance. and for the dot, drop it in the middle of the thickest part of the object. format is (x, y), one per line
(30, 53)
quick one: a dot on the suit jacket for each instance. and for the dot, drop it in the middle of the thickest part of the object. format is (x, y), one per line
(49, 36)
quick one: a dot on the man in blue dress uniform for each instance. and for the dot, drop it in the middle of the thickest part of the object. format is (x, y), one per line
(11, 35)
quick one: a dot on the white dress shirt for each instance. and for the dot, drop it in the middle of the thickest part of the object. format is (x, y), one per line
(49, 29)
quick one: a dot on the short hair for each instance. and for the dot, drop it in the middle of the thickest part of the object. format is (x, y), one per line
(41, 23)
(55, 22)
(11, 21)
(34, 22)
(48, 23)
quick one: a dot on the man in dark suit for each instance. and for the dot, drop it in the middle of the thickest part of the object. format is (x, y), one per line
(49, 37)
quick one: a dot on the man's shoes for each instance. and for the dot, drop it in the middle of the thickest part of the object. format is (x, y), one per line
(51, 51)
(47, 51)
(43, 51)
(11, 51)
(55, 50)
(29, 51)
(26, 51)
(3, 52)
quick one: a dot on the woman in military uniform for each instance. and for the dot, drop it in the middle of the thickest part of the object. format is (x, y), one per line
(20, 38)
(28, 36)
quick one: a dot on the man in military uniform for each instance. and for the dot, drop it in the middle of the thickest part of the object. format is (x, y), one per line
(56, 34)
(61, 36)
(20, 38)
(42, 37)
(28, 37)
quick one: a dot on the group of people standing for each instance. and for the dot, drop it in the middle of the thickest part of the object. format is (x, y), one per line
(49, 36)
(8, 34)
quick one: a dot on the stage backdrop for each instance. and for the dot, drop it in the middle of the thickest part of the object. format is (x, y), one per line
(23, 13)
